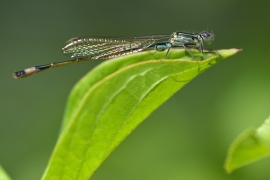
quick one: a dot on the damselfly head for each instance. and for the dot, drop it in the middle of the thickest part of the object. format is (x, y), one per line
(207, 36)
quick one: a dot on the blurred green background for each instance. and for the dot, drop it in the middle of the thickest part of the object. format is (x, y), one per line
(187, 137)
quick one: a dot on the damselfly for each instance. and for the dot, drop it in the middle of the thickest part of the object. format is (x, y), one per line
(91, 48)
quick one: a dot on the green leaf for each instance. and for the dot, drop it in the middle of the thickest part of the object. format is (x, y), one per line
(249, 146)
(3, 174)
(113, 99)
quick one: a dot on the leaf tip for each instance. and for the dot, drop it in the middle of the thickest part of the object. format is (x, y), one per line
(239, 50)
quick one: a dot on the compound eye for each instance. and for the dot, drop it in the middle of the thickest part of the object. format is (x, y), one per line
(207, 36)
